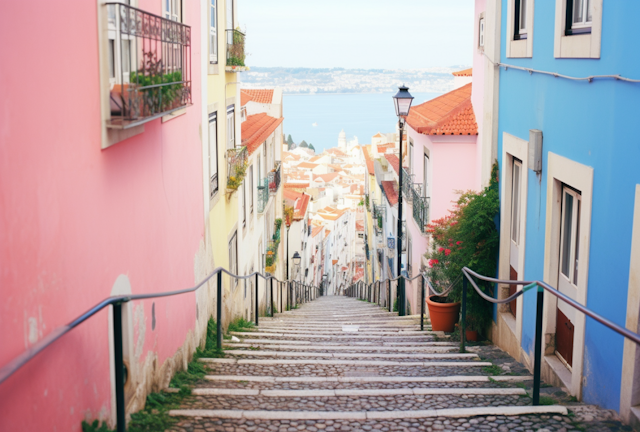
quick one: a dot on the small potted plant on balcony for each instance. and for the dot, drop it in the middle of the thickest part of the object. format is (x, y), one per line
(467, 237)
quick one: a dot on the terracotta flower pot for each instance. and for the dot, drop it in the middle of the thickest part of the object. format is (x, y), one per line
(472, 335)
(444, 316)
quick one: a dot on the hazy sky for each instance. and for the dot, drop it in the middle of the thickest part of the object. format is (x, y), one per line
(395, 34)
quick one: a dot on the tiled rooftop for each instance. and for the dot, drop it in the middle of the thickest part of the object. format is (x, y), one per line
(394, 162)
(449, 114)
(256, 129)
(464, 73)
(390, 189)
(256, 95)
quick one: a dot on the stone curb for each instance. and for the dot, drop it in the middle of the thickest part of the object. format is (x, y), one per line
(350, 355)
(314, 379)
(371, 415)
(431, 349)
(359, 393)
(342, 362)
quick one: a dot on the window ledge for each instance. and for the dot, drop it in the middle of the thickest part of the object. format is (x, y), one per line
(174, 114)
(237, 68)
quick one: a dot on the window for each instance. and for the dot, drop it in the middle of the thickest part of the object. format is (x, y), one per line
(520, 28)
(112, 60)
(173, 10)
(231, 127)
(579, 17)
(230, 15)
(213, 32)
(233, 256)
(425, 171)
(570, 234)
(515, 201)
(243, 203)
(520, 16)
(251, 189)
(578, 29)
(481, 33)
(410, 170)
(213, 154)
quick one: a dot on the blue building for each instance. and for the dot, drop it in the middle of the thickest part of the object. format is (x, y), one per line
(569, 157)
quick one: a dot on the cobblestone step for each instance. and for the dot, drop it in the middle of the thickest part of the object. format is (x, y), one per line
(330, 348)
(302, 369)
(404, 356)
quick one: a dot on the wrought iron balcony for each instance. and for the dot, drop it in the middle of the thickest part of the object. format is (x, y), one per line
(149, 66)
(235, 50)
(263, 195)
(236, 167)
(274, 178)
(420, 210)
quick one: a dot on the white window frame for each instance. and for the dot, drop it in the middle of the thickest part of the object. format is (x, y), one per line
(522, 30)
(581, 45)
(213, 154)
(231, 127)
(172, 10)
(213, 31)
(233, 257)
(481, 32)
(516, 178)
(586, 22)
(250, 189)
(520, 48)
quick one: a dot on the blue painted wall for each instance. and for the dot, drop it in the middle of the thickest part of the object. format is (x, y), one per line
(596, 124)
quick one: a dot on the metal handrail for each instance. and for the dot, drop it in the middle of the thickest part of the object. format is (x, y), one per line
(297, 292)
(540, 287)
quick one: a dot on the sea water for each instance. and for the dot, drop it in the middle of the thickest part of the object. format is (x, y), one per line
(319, 118)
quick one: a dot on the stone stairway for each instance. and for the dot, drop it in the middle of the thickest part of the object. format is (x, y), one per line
(342, 364)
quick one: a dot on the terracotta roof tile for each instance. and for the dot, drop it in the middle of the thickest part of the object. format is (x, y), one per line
(256, 129)
(464, 73)
(307, 165)
(301, 206)
(390, 189)
(256, 95)
(316, 231)
(382, 148)
(334, 262)
(394, 162)
(449, 114)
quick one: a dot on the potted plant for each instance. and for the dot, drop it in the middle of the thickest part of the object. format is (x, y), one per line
(467, 237)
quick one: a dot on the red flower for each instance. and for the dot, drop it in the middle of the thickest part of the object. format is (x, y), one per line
(447, 252)
(440, 249)
(458, 243)
(450, 244)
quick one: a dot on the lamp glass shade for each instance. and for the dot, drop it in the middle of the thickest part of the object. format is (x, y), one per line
(296, 258)
(402, 101)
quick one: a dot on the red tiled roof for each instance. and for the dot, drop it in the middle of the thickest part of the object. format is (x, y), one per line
(256, 129)
(301, 206)
(366, 151)
(391, 191)
(316, 231)
(345, 268)
(296, 185)
(359, 226)
(464, 73)
(449, 114)
(307, 165)
(334, 262)
(256, 95)
(377, 135)
(382, 148)
(394, 162)
(326, 177)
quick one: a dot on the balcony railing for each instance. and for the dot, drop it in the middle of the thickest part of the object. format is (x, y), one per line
(236, 167)
(263, 195)
(274, 178)
(149, 66)
(420, 210)
(271, 256)
(235, 48)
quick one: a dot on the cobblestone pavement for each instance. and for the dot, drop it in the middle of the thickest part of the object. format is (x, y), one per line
(287, 375)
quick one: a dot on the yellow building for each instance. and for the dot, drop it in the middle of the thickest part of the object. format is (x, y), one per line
(224, 157)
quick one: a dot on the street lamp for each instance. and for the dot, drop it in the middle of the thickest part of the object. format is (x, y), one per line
(402, 101)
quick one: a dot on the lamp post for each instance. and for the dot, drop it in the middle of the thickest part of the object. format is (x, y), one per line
(296, 264)
(402, 101)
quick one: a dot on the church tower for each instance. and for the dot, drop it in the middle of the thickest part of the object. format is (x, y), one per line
(342, 140)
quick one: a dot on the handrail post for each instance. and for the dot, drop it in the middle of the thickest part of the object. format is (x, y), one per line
(219, 313)
(256, 299)
(422, 301)
(538, 347)
(271, 299)
(402, 300)
(119, 366)
(280, 285)
(463, 313)
(389, 298)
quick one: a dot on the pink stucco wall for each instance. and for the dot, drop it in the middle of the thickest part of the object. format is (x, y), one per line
(74, 217)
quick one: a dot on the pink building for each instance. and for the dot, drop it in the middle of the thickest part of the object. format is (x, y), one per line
(102, 194)
(443, 159)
